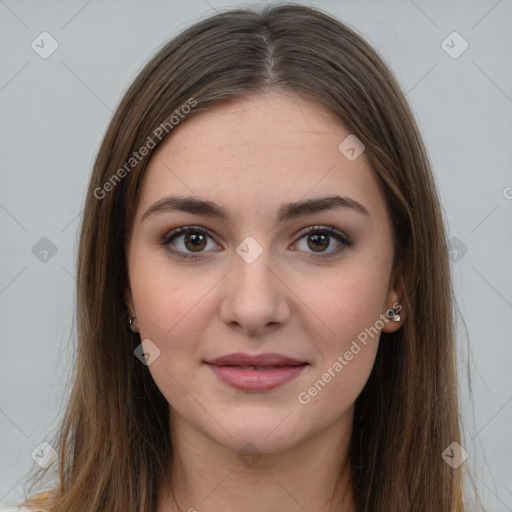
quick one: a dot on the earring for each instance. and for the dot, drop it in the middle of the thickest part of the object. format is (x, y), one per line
(396, 317)
(130, 322)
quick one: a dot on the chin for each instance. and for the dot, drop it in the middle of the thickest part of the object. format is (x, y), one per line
(266, 435)
(249, 440)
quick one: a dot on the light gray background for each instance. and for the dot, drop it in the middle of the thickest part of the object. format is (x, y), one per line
(54, 113)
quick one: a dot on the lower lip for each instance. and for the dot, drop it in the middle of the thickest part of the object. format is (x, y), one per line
(256, 380)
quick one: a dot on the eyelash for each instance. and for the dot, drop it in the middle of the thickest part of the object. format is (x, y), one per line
(326, 230)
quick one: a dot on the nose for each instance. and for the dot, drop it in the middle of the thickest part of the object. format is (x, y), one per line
(256, 299)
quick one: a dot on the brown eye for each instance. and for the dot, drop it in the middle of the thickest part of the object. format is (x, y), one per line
(195, 241)
(319, 240)
(186, 241)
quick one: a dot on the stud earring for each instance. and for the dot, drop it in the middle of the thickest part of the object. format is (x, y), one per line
(396, 317)
(130, 322)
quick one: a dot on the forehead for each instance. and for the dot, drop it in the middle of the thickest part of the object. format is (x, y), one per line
(249, 154)
(256, 129)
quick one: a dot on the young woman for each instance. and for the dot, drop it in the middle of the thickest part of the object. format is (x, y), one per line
(264, 302)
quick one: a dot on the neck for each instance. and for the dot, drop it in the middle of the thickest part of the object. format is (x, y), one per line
(314, 475)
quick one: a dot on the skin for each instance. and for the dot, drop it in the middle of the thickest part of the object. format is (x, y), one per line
(250, 156)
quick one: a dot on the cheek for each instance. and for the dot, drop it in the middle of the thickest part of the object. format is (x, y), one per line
(166, 297)
(348, 301)
(171, 313)
(174, 308)
(349, 306)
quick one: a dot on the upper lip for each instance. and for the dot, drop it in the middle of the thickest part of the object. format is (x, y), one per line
(239, 359)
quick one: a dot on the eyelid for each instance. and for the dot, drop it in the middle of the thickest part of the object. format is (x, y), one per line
(183, 230)
(323, 228)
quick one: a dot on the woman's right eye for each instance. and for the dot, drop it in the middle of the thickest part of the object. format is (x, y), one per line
(193, 239)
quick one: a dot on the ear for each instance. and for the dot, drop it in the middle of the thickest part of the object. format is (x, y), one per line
(128, 298)
(394, 303)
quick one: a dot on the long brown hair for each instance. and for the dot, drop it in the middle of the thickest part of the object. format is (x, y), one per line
(114, 443)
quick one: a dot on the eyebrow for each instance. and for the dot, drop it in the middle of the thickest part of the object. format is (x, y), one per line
(194, 205)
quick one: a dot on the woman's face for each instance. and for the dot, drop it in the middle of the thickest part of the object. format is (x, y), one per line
(257, 282)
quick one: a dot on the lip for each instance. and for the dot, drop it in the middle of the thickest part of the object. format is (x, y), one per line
(241, 371)
(269, 359)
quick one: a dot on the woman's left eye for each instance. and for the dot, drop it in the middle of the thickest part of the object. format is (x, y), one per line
(194, 239)
(318, 237)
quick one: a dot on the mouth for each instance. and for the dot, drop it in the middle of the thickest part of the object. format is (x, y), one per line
(256, 373)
